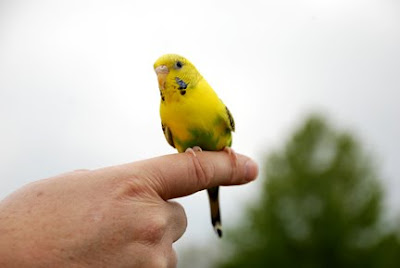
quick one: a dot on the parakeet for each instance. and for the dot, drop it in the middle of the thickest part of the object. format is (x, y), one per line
(193, 116)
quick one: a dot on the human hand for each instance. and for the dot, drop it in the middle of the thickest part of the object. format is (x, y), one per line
(117, 216)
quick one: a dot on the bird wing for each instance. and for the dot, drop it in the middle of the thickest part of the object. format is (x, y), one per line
(167, 134)
(231, 122)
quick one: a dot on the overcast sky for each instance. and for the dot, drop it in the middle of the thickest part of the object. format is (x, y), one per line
(78, 90)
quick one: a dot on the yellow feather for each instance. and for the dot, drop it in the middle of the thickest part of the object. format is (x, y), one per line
(192, 115)
(198, 109)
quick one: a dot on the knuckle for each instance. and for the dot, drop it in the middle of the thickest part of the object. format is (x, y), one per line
(180, 218)
(166, 258)
(155, 230)
(159, 261)
(177, 206)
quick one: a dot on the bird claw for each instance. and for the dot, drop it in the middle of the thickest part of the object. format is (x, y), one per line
(232, 155)
(197, 149)
(193, 150)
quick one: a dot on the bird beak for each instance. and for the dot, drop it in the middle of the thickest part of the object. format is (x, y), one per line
(162, 72)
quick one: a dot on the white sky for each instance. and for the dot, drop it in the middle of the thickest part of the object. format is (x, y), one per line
(77, 88)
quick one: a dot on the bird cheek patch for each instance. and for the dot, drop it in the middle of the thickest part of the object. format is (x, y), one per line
(182, 85)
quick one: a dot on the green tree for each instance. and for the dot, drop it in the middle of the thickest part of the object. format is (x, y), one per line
(320, 206)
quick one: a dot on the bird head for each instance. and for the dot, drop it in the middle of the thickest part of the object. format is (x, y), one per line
(175, 74)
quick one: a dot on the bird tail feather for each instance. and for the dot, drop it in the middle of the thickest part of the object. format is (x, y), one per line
(215, 211)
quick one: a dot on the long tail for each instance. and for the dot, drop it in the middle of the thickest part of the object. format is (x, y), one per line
(215, 212)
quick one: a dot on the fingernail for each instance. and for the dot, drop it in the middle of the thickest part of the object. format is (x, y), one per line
(251, 170)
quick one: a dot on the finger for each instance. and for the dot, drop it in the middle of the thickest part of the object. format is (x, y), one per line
(183, 174)
(177, 220)
(173, 259)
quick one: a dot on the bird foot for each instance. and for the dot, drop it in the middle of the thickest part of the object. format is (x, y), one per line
(232, 155)
(193, 150)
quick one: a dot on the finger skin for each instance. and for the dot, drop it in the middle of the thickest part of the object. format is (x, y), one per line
(183, 174)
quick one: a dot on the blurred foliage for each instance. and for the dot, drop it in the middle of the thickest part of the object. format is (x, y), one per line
(320, 206)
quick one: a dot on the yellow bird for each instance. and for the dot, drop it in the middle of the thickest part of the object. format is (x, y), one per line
(192, 116)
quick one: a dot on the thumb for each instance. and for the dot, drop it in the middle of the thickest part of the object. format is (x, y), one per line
(183, 174)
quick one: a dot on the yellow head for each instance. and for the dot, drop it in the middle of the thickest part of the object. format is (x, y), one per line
(175, 74)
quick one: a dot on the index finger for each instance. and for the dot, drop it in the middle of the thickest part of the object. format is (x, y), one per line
(183, 174)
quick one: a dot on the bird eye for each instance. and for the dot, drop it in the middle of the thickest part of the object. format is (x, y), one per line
(178, 65)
